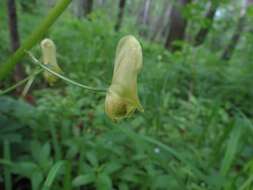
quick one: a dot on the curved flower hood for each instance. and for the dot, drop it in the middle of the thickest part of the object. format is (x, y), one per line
(49, 59)
(122, 96)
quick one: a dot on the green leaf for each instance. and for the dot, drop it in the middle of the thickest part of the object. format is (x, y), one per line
(112, 167)
(231, 149)
(83, 179)
(162, 181)
(129, 174)
(92, 158)
(5, 162)
(25, 168)
(37, 179)
(12, 137)
(123, 186)
(52, 174)
(247, 183)
(45, 153)
(103, 182)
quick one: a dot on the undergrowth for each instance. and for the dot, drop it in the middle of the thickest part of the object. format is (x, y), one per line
(195, 133)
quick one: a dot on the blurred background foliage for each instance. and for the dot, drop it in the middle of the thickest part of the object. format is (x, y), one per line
(196, 131)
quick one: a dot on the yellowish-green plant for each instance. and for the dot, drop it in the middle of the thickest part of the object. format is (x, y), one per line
(49, 59)
(122, 96)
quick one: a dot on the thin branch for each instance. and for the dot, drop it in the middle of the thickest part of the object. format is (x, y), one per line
(36, 61)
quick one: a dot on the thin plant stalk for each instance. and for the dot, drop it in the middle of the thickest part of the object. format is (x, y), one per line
(67, 177)
(36, 61)
(27, 86)
(55, 142)
(2, 92)
(7, 173)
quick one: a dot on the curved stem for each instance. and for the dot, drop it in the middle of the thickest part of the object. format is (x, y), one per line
(36, 61)
(27, 87)
(34, 37)
(2, 92)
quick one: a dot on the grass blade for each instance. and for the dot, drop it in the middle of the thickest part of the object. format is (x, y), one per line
(52, 174)
(230, 153)
(247, 183)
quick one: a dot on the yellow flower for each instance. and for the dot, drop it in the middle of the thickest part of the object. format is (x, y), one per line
(122, 98)
(49, 59)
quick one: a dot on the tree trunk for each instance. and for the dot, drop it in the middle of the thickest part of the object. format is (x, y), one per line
(226, 55)
(87, 6)
(77, 8)
(229, 49)
(145, 13)
(14, 37)
(178, 25)
(143, 18)
(122, 4)
(102, 2)
(165, 29)
(161, 22)
(201, 36)
(82, 7)
(28, 5)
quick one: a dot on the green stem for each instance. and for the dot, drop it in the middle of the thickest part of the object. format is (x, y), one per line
(7, 173)
(2, 92)
(55, 142)
(27, 86)
(67, 178)
(36, 61)
(38, 33)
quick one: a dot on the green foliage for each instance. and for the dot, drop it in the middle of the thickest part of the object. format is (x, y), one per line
(195, 133)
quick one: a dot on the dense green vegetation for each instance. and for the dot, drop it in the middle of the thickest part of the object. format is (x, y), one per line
(196, 131)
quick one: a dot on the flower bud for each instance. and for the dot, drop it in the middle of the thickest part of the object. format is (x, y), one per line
(122, 98)
(49, 59)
